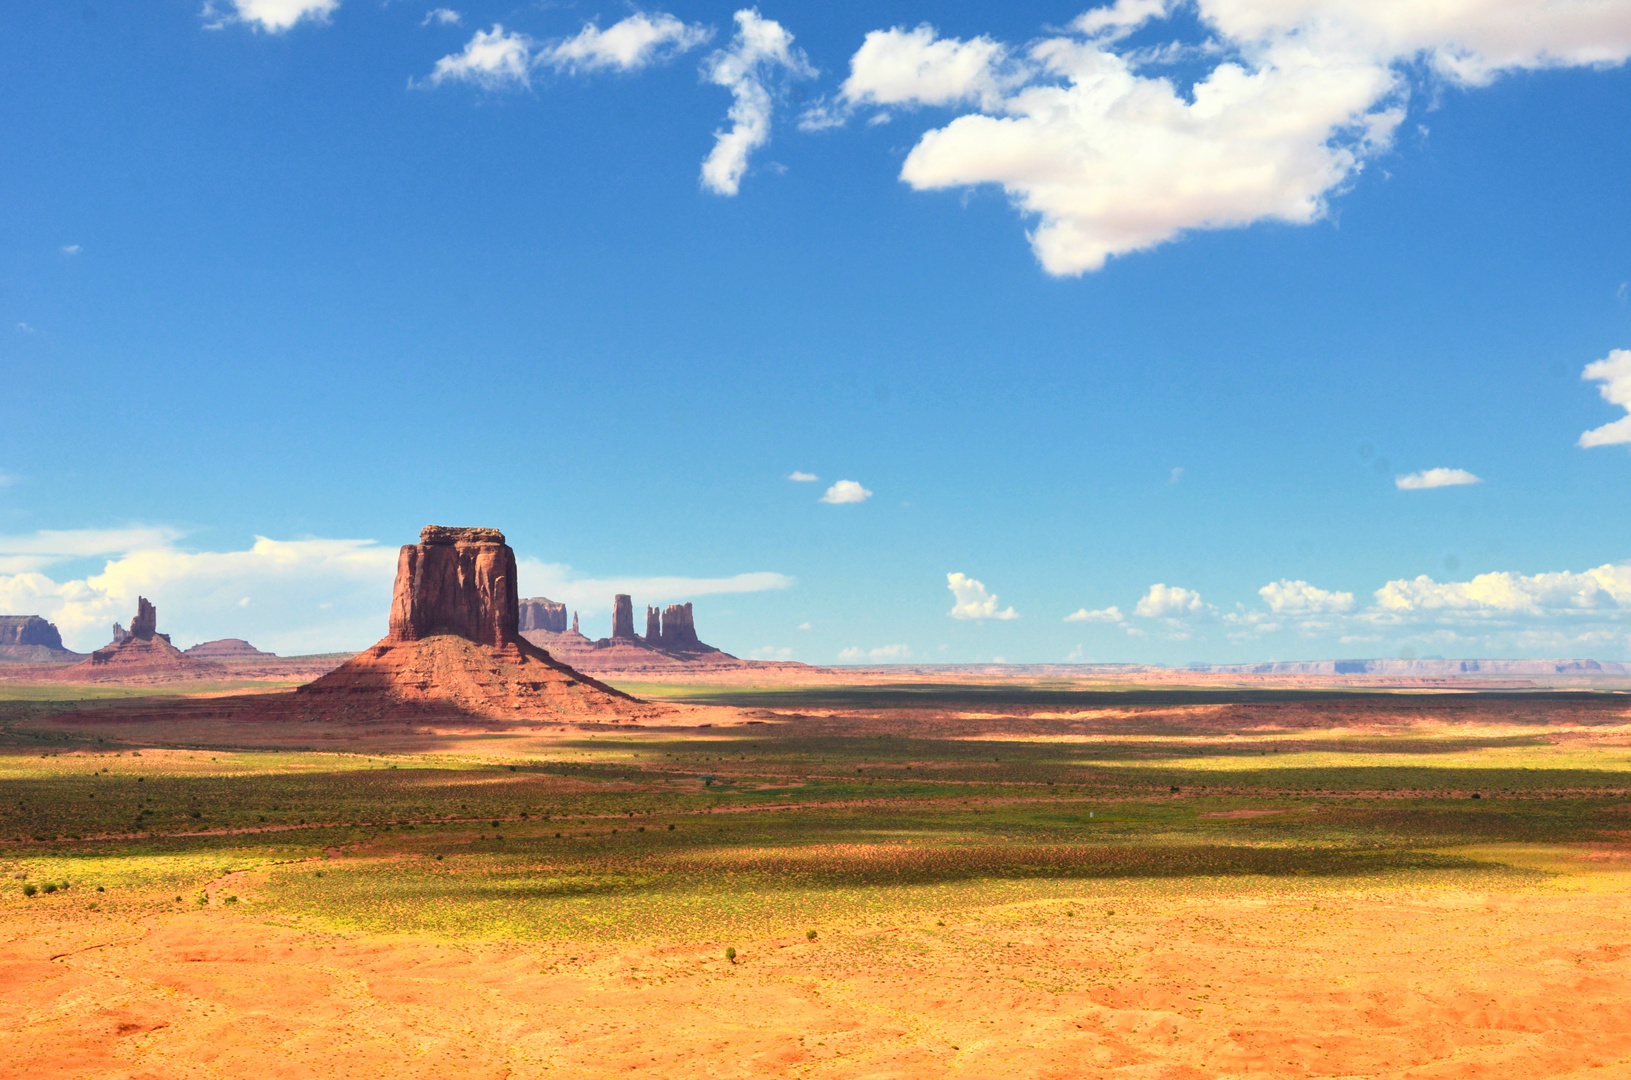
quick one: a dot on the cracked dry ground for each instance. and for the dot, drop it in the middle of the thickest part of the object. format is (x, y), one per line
(1435, 982)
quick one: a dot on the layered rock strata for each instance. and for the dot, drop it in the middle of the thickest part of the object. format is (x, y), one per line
(454, 645)
(141, 656)
(29, 639)
(227, 649)
(622, 617)
(542, 613)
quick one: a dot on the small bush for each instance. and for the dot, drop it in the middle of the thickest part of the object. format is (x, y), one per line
(30, 889)
(730, 954)
(671, 828)
(230, 900)
(50, 886)
(809, 935)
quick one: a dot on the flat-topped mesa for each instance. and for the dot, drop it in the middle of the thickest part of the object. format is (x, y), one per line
(456, 581)
(542, 613)
(622, 617)
(29, 630)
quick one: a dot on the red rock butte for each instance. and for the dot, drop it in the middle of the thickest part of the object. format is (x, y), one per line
(139, 655)
(454, 645)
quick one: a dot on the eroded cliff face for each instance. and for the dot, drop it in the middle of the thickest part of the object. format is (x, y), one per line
(679, 633)
(542, 613)
(454, 646)
(459, 582)
(622, 617)
(29, 630)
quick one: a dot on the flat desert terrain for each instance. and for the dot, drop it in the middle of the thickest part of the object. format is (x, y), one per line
(996, 879)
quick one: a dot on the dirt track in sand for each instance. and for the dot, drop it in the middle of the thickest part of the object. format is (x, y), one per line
(1302, 982)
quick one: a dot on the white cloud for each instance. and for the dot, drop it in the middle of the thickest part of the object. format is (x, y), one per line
(1111, 614)
(803, 477)
(70, 249)
(1299, 95)
(759, 52)
(1169, 601)
(973, 602)
(492, 59)
(914, 67)
(199, 594)
(1286, 597)
(39, 550)
(1120, 18)
(883, 652)
(1614, 372)
(442, 17)
(770, 652)
(272, 16)
(558, 582)
(846, 491)
(1435, 478)
(629, 45)
(1606, 589)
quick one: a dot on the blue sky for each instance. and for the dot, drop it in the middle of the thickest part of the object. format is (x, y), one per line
(1140, 314)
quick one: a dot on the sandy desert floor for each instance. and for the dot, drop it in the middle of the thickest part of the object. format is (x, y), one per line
(1011, 883)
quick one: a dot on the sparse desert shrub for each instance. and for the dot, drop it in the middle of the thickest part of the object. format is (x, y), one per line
(29, 889)
(809, 935)
(50, 886)
(671, 828)
(230, 900)
(730, 953)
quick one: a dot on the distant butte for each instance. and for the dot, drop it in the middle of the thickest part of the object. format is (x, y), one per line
(226, 649)
(29, 639)
(454, 645)
(139, 655)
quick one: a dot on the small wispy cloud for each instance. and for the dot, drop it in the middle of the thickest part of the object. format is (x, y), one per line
(846, 491)
(1614, 373)
(803, 477)
(1176, 475)
(761, 51)
(636, 42)
(492, 60)
(271, 16)
(1111, 614)
(70, 249)
(973, 601)
(442, 17)
(1436, 478)
(882, 652)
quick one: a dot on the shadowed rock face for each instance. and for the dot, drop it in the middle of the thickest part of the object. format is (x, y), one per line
(28, 630)
(542, 613)
(456, 581)
(622, 617)
(680, 630)
(146, 622)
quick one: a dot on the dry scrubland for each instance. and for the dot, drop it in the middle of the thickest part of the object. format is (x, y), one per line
(1003, 881)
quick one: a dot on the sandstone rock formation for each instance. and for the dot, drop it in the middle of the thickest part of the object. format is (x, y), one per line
(670, 645)
(29, 639)
(454, 646)
(622, 617)
(141, 656)
(226, 649)
(679, 633)
(542, 613)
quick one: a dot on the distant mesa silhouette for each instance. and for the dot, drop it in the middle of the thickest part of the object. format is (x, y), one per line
(226, 649)
(30, 639)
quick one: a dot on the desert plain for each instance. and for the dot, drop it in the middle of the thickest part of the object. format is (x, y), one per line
(974, 878)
